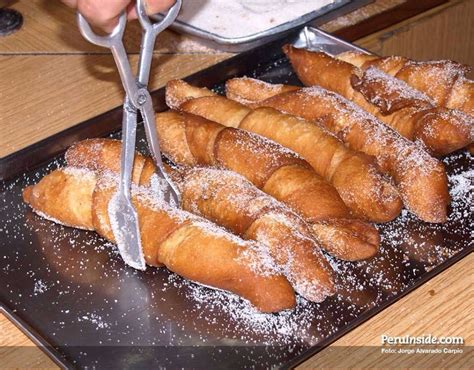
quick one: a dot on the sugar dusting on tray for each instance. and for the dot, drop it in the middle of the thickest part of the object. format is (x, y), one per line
(240, 18)
(360, 286)
(109, 298)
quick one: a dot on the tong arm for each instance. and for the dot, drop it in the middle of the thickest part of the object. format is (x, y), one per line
(114, 42)
(150, 32)
(148, 115)
(129, 132)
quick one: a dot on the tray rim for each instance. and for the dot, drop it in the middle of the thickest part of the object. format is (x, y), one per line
(62, 360)
(41, 343)
(75, 134)
(305, 355)
(277, 30)
(233, 47)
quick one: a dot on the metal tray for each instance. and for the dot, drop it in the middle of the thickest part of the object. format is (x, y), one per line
(239, 44)
(70, 291)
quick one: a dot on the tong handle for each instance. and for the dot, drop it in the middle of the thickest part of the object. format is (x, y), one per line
(138, 96)
(105, 41)
(150, 32)
(160, 22)
(113, 41)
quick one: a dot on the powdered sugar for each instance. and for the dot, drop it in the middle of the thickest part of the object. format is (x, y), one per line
(463, 121)
(94, 319)
(438, 77)
(240, 193)
(50, 218)
(40, 287)
(462, 186)
(459, 97)
(80, 173)
(462, 194)
(237, 195)
(395, 87)
(155, 201)
(162, 188)
(263, 146)
(395, 155)
(277, 329)
(265, 90)
(89, 155)
(258, 257)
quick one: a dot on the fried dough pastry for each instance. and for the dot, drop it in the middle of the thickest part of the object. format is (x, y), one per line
(364, 190)
(444, 81)
(191, 140)
(420, 178)
(231, 201)
(408, 111)
(186, 244)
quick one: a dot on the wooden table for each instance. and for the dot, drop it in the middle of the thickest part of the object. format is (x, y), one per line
(51, 79)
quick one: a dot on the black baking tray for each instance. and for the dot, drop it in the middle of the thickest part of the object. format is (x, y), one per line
(69, 290)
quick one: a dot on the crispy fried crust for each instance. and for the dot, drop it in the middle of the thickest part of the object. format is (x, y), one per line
(272, 168)
(189, 246)
(410, 112)
(353, 174)
(231, 201)
(420, 178)
(444, 80)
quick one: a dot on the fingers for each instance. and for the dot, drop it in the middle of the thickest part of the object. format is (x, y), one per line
(70, 3)
(152, 7)
(105, 13)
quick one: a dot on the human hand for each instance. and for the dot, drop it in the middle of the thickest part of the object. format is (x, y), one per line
(105, 13)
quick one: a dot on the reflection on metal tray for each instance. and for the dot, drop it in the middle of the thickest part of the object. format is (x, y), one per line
(70, 290)
(313, 39)
(238, 44)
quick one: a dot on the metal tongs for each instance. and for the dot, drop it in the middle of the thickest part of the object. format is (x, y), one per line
(123, 216)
